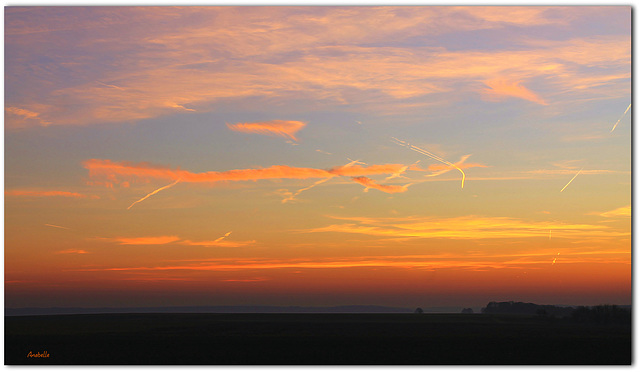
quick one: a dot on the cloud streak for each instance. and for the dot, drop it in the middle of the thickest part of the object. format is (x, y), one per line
(351, 55)
(282, 128)
(145, 240)
(111, 170)
(505, 88)
(427, 262)
(465, 227)
(35, 193)
(371, 184)
(618, 212)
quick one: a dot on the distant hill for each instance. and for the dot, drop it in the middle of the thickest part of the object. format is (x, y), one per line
(205, 309)
(511, 307)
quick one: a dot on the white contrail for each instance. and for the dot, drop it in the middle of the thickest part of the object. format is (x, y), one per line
(432, 156)
(462, 160)
(293, 196)
(574, 177)
(153, 193)
(57, 227)
(616, 124)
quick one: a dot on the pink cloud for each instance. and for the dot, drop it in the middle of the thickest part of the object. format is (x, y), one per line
(282, 128)
(505, 88)
(369, 183)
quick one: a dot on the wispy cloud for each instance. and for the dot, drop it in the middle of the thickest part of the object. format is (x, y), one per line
(504, 88)
(352, 55)
(389, 189)
(465, 227)
(72, 251)
(37, 193)
(56, 226)
(618, 212)
(22, 117)
(161, 240)
(112, 170)
(220, 242)
(282, 128)
(145, 240)
(466, 261)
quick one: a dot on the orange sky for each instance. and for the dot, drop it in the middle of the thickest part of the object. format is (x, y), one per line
(400, 156)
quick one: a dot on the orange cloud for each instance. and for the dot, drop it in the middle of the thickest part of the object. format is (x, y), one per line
(503, 87)
(111, 170)
(72, 251)
(466, 261)
(282, 128)
(147, 240)
(57, 227)
(347, 49)
(22, 117)
(65, 194)
(465, 227)
(618, 212)
(218, 243)
(369, 183)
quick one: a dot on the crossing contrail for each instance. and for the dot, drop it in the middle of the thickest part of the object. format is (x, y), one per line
(574, 177)
(432, 156)
(616, 124)
(293, 196)
(153, 193)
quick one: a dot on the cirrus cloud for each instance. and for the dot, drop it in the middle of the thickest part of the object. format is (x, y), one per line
(282, 128)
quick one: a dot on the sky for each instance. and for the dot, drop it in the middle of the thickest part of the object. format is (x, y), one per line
(317, 156)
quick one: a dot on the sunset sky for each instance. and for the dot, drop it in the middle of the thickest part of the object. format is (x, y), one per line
(317, 156)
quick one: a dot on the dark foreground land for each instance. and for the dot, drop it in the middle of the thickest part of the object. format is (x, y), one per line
(304, 339)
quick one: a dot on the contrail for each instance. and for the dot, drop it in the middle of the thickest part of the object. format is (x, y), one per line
(305, 189)
(432, 156)
(153, 193)
(222, 237)
(555, 258)
(401, 171)
(293, 196)
(56, 226)
(625, 112)
(574, 177)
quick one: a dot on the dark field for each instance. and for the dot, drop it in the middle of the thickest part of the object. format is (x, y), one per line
(304, 339)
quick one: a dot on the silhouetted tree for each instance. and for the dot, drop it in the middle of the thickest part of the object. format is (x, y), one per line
(602, 314)
(419, 311)
(467, 310)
